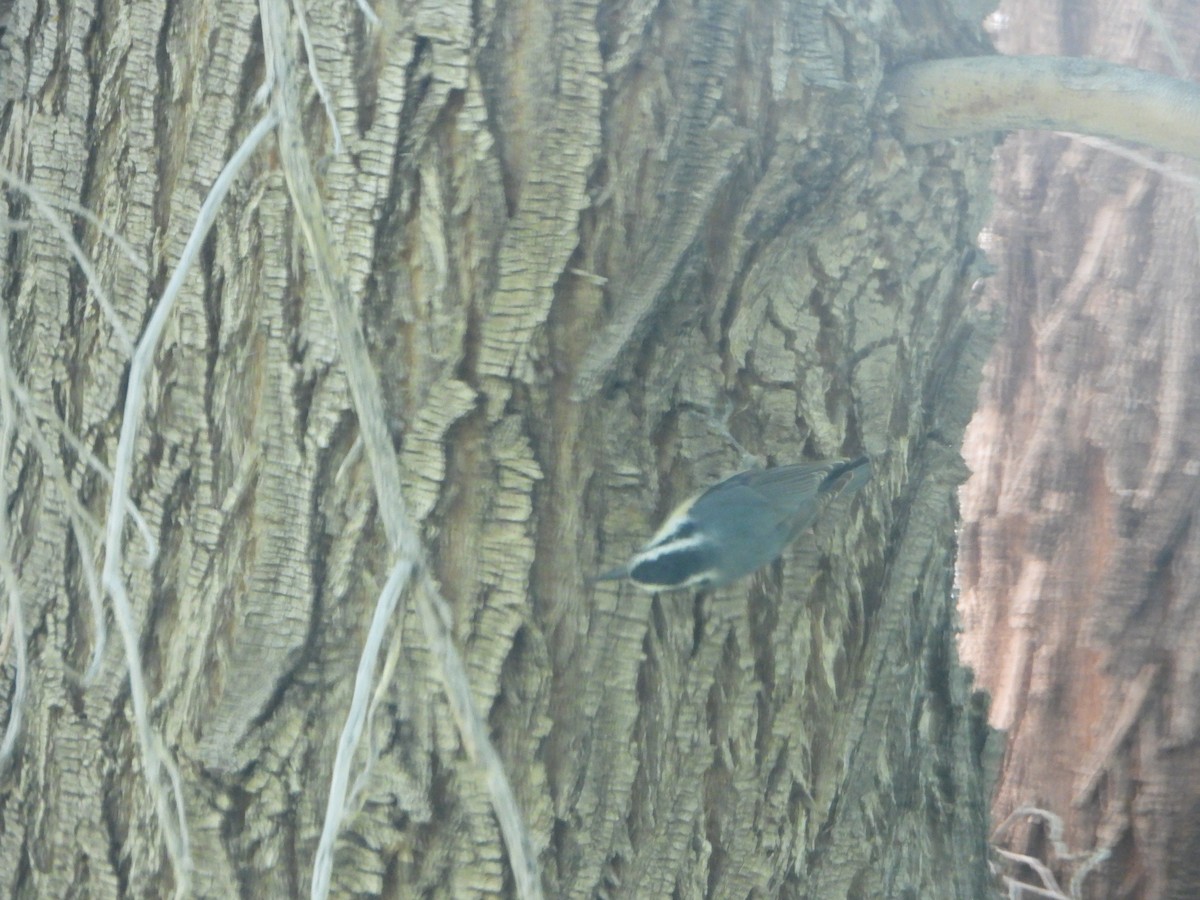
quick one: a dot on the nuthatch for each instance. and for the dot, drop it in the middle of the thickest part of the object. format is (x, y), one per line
(740, 524)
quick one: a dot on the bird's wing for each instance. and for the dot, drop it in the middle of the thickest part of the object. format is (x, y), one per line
(800, 478)
(784, 489)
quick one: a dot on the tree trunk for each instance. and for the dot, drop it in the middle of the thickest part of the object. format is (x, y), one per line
(587, 243)
(1080, 563)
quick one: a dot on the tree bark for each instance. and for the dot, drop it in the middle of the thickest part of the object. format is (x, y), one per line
(1079, 563)
(588, 243)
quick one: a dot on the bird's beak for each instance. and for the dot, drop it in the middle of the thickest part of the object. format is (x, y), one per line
(611, 575)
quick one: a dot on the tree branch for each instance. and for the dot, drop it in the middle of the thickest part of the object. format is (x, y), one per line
(948, 98)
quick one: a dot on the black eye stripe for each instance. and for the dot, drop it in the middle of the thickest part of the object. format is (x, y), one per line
(673, 567)
(843, 474)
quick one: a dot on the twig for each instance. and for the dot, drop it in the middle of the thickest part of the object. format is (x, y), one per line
(1042, 870)
(1054, 823)
(1166, 170)
(1136, 695)
(368, 13)
(1018, 889)
(329, 267)
(40, 411)
(80, 210)
(90, 275)
(335, 809)
(315, 75)
(155, 757)
(15, 624)
(84, 528)
(359, 788)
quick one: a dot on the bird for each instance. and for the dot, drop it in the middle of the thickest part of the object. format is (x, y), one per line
(739, 525)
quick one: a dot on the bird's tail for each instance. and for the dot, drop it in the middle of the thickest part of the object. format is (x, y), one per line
(847, 477)
(611, 575)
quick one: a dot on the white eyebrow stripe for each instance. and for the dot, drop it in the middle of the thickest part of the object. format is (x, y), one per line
(656, 551)
(671, 524)
(666, 538)
(707, 576)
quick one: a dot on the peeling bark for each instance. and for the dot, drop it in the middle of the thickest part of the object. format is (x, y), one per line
(1080, 588)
